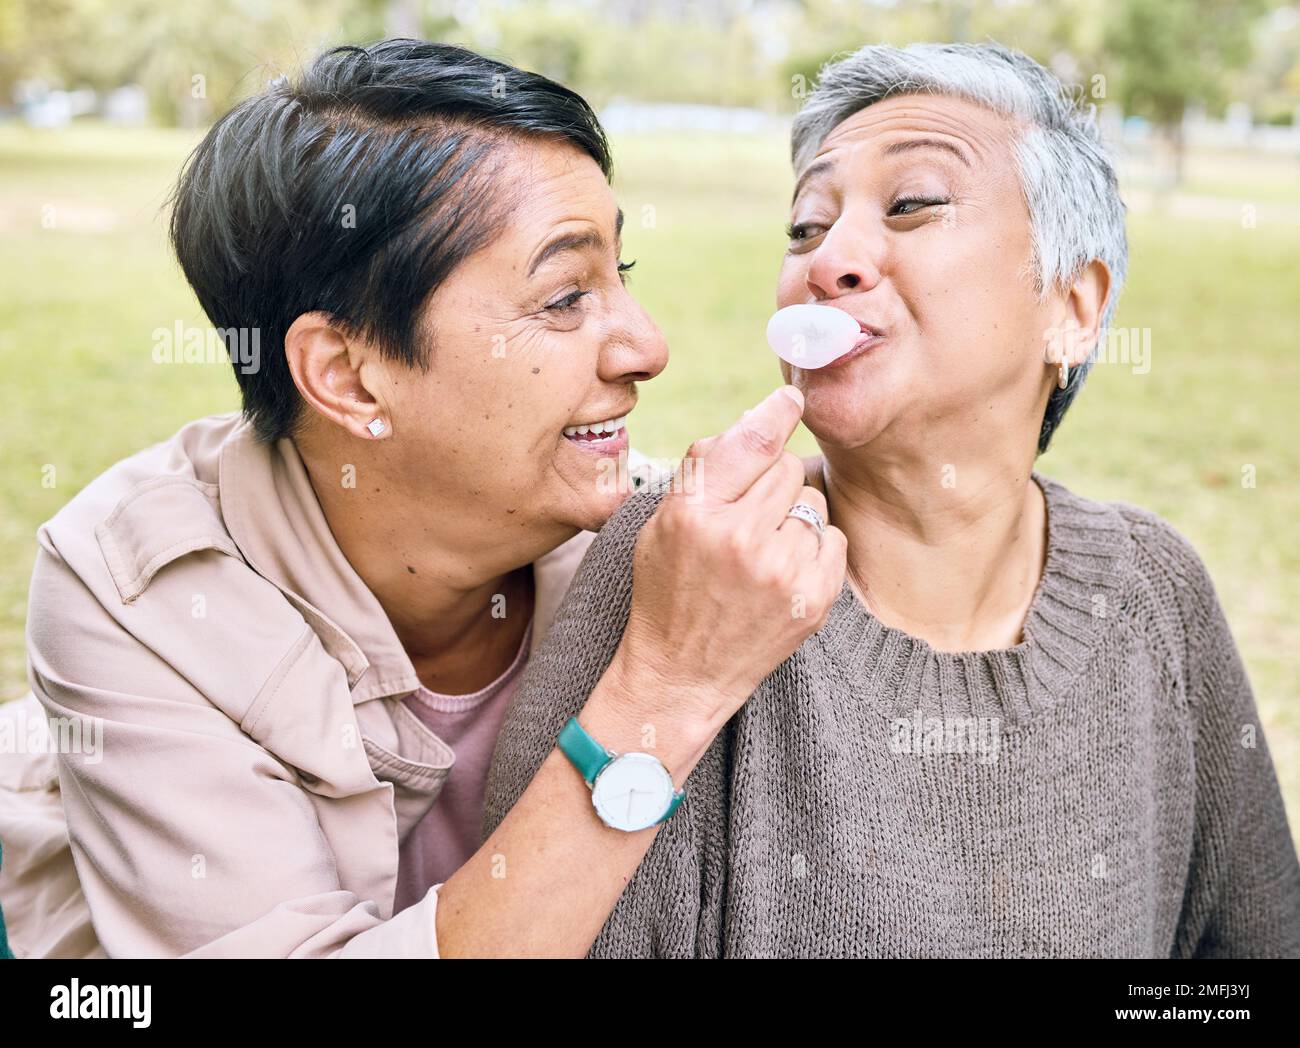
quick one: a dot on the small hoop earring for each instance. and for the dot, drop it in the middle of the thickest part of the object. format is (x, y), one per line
(1062, 375)
(376, 426)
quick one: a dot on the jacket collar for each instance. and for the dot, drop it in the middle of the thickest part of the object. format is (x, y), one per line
(274, 517)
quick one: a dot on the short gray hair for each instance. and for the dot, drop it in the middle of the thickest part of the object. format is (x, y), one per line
(1066, 174)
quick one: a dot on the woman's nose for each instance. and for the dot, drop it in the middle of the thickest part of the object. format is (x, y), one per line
(846, 261)
(636, 350)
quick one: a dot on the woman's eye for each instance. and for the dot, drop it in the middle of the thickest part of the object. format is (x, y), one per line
(623, 268)
(910, 205)
(799, 232)
(568, 302)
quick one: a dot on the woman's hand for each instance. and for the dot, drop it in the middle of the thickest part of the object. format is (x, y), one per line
(725, 585)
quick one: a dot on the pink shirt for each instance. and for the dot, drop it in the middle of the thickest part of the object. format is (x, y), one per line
(448, 835)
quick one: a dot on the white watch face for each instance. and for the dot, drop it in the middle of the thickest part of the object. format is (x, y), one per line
(632, 791)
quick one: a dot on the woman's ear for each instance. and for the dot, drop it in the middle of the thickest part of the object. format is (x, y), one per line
(327, 367)
(1081, 323)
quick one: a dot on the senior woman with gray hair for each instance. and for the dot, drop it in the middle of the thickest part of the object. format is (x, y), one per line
(1025, 728)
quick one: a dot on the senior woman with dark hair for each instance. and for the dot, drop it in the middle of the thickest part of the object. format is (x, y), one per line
(1025, 728)
(291, 633)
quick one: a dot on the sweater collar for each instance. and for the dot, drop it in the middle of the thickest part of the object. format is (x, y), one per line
(1079, 593)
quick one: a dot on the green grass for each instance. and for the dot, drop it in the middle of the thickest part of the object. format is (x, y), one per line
(78, 303)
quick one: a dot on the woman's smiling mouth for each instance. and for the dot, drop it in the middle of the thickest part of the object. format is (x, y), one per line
(608, 436)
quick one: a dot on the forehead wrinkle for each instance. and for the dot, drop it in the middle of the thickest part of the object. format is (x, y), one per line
(815, 170)
(982, 131)
(554, 189)
(904, 145)
(589, 239)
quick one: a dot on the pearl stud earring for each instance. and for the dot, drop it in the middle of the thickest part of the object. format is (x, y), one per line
(376, 426)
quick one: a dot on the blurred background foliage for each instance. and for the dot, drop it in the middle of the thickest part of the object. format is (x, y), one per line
(1158, 55)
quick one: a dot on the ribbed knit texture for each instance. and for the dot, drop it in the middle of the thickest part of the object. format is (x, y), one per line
(1130, 807)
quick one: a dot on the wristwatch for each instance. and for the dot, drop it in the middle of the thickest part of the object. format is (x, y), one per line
(630, 791)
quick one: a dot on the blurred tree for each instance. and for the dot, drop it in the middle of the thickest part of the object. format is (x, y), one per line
(1169, 55)
(1065, 35)
(1271, 82)
(194, 60)
(552, 41)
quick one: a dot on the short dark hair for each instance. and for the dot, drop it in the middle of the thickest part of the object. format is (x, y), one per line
(403, 131)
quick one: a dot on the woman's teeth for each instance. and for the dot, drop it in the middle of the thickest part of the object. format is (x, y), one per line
(596, 430)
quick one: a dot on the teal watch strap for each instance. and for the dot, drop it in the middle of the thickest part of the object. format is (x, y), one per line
(672, 805)
(584, 752)
(589, 757)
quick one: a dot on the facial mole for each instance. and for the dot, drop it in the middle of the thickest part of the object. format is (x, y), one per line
(411, 570)
(537, 371)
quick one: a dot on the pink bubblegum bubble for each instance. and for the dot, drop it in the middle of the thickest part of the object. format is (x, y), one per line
(809, 336)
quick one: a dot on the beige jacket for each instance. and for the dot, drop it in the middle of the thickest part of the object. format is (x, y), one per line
(234, 762)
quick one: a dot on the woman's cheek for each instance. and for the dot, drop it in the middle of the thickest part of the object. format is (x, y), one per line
(790, 281)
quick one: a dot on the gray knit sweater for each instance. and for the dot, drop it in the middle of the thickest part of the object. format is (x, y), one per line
(1102, 789)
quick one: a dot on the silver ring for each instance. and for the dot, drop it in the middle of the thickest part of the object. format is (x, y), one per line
(803, 511)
